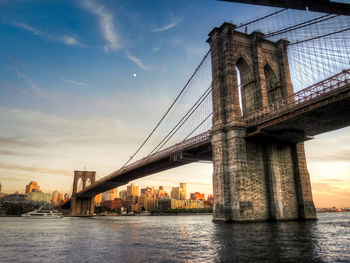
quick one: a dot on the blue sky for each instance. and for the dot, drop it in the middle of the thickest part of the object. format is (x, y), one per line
(68, 95)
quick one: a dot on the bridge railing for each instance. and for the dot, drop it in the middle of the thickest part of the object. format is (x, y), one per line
(308, 95)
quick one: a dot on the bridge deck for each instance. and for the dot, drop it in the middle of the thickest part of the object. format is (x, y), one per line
(322, 107)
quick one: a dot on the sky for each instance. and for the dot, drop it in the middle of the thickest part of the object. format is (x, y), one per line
(83, 82)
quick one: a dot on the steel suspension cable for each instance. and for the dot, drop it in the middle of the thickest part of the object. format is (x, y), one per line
(166, 113)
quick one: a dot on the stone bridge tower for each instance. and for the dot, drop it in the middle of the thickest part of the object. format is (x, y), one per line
(82, 206)
(253, 179)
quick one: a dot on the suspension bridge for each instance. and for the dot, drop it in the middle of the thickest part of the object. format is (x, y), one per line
(263, 88)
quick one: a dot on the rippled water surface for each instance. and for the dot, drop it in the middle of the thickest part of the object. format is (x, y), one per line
(173, 239)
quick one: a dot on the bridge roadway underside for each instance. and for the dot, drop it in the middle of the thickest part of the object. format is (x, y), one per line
(302, 124)
(328, 114)
(195, 153)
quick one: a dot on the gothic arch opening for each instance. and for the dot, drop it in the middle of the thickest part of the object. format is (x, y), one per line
(80, 185)
(88, 182)
(274, 89)
(250, 97)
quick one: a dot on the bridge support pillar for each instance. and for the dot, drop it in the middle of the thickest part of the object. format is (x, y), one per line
(82, 205)
(253, 180)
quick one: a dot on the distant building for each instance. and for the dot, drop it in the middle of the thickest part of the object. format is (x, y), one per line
(32, 187)
(56, 198)
(150, 204)
(66, 196)
(14, 199)
(130, 201)
(111, 194)
(122, 194)
(210, 200)
(113, 204)
(179, 193)
(132, 190)
(165, 204)
(0, 187)
(197, 196)
(147, 191)
(38, 197)
(161, 192)
(136, 208)
(98, 199)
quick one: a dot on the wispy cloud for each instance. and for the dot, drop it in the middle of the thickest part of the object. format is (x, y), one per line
(71, 41)
(33, 169)
(29, 81)
(137, 61)
(40, 92)
(79, 83)
(27, 28)
(167, 27)
(156, 49)
(65, 39)
(106, 22)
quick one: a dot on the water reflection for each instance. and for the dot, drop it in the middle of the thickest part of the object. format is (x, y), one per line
(271, 242)
(174, 239)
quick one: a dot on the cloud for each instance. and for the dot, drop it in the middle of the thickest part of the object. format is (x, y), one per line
(40, 92)
(137, 61)
(79, 83)
(167, 27)
(65, 39)
(156, 49)
(71, 41)
(27, 28)
(106, 22)
(14, 141)
(33, 169)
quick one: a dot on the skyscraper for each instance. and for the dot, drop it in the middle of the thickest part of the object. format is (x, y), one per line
(32, 187)
(132, 190)
(179, 193)
(111, 194)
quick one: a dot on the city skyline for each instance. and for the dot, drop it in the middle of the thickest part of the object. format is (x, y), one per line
(80, 81)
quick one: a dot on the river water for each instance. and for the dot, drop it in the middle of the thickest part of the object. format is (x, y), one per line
(173, 239)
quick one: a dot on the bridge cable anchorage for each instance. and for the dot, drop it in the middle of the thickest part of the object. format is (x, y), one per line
(182, 121)
(168, 110)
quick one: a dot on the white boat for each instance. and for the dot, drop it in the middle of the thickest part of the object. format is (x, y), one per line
(43, 214)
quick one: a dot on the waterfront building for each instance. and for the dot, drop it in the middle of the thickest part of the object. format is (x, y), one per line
(32, 187)
(136, 208)
(14, 199)
(165, 204)
(132, 190)
(197, 196)
(113, 204)
(210, 200)
(56, 198)
(111, 194)
(194, 203)
(130, 201)
(179, 193)
(38, 196)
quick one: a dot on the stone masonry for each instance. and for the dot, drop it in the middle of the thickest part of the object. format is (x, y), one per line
(253, 179)
(82, 206)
